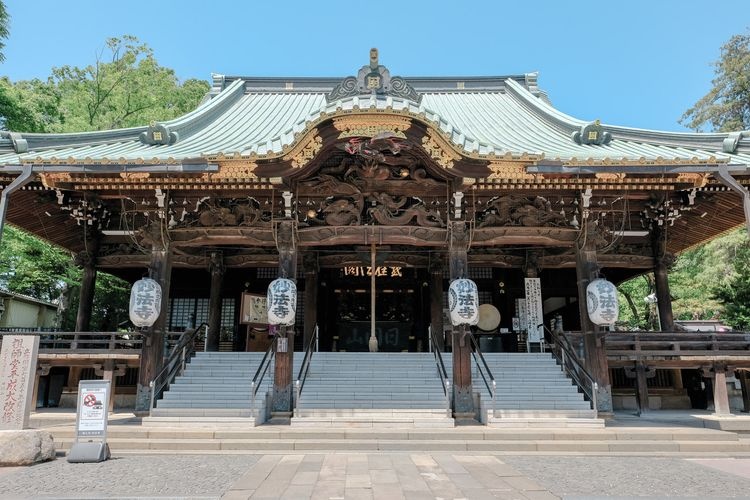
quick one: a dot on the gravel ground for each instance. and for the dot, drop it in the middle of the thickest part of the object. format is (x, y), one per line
(628, 477)
(161, 476)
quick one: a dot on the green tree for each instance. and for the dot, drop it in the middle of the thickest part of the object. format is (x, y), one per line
(125, 87)
(4, 31)
(735, 294)
(726, 107)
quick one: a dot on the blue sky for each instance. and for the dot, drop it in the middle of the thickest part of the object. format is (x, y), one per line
(635, 63)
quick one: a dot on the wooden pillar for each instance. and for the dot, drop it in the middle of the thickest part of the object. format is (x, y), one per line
(662, 262)
(595, 352)
(152, 352)
(110, 371)
(42, 370)
(463, 397)
(214, 302)
(310, 265)
(86, 260)
(436, 303)
(745, 391)
(718, 374)
(282, 398)
(641, 373)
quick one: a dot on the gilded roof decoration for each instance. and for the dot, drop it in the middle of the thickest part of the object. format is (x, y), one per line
(370, 125)
(305, 151)
(439, 150)
(234, 170)
(507, 170)
(375, 79)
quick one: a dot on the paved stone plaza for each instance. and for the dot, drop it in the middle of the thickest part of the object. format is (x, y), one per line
(382, 475)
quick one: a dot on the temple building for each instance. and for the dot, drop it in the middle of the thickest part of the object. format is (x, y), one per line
(373, 192)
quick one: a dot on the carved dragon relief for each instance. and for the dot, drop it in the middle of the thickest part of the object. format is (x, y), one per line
(223, 212)
(512, 210)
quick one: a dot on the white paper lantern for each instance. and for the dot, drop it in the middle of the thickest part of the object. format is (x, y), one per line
(463, 302)
(282, 302)
(145, 302)
(601, 302)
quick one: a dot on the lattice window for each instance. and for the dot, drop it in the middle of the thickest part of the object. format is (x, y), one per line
(267, 272)
(479, 273)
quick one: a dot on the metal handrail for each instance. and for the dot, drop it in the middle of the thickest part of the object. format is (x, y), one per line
(565, 353)
(174, 365)
(304, 369)
(442, 372)
(491, 384)
(261, 372)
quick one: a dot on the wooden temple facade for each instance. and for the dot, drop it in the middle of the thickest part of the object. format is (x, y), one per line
(433, 178)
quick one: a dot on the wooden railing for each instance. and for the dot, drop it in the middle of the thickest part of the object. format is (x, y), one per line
(52, 342)
(635, 345)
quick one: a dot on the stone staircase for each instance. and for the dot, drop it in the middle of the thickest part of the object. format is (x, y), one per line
(218, 385)
(532, 391)
(372, 390)
(132, 437)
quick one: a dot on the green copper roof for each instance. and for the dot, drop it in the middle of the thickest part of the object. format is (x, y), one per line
(481, 115)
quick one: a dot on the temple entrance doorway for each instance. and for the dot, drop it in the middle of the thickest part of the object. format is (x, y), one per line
(401, 309)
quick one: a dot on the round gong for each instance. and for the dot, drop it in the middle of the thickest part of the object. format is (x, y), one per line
(489, 317)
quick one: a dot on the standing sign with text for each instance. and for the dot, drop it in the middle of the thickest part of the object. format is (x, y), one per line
(534, 310)
(93, 404)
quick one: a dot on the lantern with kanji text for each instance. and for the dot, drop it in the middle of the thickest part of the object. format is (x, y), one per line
(601, 302)
(463, 302)
(145, 302)
(282, 302)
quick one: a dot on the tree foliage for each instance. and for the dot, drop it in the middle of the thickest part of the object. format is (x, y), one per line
(735, 292)
(726, 106)
(124, 87)
(4, 29)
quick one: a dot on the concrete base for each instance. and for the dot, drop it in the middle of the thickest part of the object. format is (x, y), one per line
(89, 453)
(26, 447)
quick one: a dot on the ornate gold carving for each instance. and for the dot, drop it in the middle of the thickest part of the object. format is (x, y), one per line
(610, 176)
(234, 170)
(439, 149)
(506, 170)
(305, 151)
(696, 179)
(132, 176)
(371, 125)
(51, 180)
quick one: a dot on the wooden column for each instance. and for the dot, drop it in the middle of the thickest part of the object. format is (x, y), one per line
(152, 352)
(463, 398)
(662, 262)
(282, 398)
(718, 374)
(214, 303)
(436, 303)
(745, 391)
(110, 371)
(593, 337)
(86, 260)
(641, 373)
(310, 265)
(42, 370)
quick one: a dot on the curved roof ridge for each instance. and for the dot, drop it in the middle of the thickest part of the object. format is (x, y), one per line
(691, 140)
(376, 104)
(197, 118)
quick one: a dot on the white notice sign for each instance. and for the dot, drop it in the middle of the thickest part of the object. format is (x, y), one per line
(17, 377)
(93, 405)
(521, 313)
(534, 311)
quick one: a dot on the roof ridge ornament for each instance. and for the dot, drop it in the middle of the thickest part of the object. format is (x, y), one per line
(158, 134)
(592, 134)
(374, 79)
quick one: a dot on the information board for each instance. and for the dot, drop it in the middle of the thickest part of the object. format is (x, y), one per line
(17, 376)
(92, 409)
(534, 310)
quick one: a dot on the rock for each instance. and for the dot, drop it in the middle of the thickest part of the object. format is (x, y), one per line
(26, 447)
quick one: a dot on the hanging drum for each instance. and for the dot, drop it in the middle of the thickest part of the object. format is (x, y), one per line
(601, 302)
(282, 302)
(145, 302)
(489, 318)
(463, 302)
